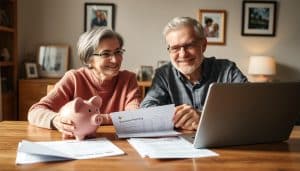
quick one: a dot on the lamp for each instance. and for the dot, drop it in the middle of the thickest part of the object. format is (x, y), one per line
(262, 68)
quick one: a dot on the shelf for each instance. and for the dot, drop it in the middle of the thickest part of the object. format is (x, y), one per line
(7, 29)
(144, 86)
(7, 94)
(6, 63)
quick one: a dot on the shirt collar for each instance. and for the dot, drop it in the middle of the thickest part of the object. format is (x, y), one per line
(206, 69)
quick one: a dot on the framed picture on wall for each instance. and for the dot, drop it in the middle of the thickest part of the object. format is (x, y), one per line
(161, 63)
(53, 60)
(259, 18)
(99, 14)
(214, 24)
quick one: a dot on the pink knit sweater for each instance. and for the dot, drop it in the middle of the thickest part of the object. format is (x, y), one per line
(118, 94)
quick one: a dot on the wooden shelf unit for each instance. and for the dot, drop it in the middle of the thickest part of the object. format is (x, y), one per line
(9, 67)
(144, 86)
(7, 29)
(30, 92)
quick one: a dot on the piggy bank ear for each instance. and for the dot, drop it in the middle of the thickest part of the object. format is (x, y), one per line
(78, 101)
(96, 101)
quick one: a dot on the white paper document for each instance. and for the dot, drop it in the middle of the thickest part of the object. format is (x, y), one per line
(33, 152)
(145, 122)
(167, 148)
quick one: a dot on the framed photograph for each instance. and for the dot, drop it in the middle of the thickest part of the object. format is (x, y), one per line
(31, 70)
(146, 73)
(258, 18)
(99, 14)
(4, 18)
(53, 60)
(161, 63)
(214, 24)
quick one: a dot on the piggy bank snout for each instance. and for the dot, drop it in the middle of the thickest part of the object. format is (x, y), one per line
(96, 119)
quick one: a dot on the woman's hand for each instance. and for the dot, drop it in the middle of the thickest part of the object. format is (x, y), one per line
(64, 125)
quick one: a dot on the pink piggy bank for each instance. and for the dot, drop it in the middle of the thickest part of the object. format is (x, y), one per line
(85, 114)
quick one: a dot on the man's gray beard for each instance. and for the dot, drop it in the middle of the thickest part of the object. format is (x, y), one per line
(187, 70)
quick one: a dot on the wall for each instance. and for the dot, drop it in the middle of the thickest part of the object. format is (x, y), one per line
(141, 23)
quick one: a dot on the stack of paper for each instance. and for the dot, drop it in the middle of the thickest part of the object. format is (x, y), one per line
(33, 152)
(146, 122)
(169, 147)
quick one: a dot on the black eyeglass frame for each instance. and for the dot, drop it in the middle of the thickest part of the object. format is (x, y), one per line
(118, 52)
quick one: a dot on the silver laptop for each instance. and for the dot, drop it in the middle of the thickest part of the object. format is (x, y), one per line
(251, 113)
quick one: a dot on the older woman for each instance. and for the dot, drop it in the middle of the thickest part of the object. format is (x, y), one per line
(100, 50)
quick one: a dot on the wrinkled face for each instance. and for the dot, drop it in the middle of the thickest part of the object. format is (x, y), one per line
(98, 14)
(186, 52)
(102, 16)
(107, 59)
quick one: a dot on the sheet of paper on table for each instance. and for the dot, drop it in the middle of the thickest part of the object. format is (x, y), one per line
(45, 151)
(167, 148)
(145, 122)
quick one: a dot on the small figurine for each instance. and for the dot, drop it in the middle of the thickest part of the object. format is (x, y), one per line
(85, 114)
(5, 54)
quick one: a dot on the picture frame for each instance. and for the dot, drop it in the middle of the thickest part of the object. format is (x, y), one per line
(52, 60)
(31, 70)
(99, 14)
(161, 63)
(146, 73)
(259, 18)
(4, 18)
(214, 25)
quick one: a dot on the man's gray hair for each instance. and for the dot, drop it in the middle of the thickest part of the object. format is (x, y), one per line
(178, 22)
(89, 42)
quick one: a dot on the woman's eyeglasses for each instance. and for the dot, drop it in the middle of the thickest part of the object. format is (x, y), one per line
(107, 54)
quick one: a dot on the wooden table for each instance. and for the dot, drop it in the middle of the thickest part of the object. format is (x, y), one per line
(276, 156)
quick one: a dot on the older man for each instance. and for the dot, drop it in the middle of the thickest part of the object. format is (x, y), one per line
(185, 81)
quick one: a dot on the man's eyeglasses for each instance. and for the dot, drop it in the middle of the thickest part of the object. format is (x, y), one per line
(187, 46)
(107, 54)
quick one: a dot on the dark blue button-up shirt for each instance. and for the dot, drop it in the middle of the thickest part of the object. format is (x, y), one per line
(169, 86)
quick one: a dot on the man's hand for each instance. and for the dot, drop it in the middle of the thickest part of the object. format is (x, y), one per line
(186, 117)
(64, 125)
